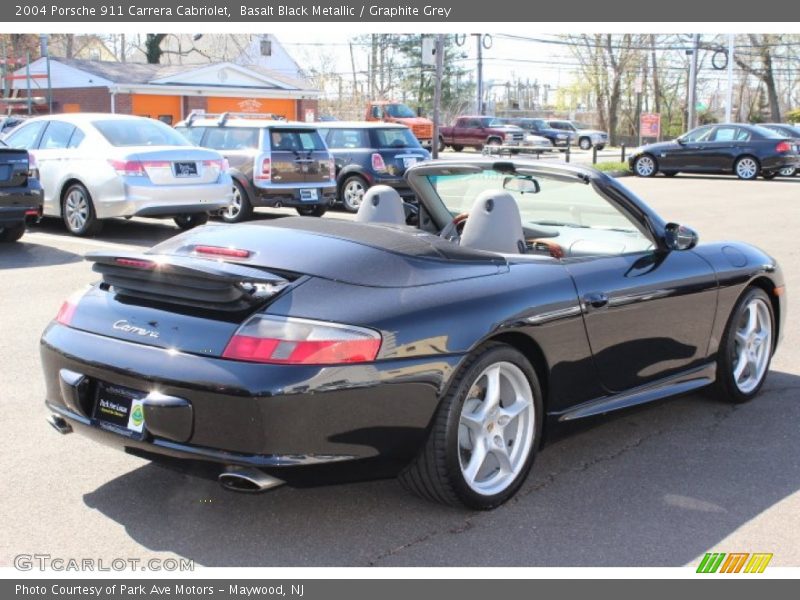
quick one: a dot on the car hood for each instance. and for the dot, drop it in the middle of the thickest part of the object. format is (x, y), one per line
(412, 120)
(658, 147)
(365, 254)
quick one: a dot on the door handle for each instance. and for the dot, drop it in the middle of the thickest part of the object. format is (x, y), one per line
(595, 300)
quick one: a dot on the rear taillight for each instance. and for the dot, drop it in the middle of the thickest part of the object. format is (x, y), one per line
(128, 168)
(68, 308)
(221, 164)
(264, 170)
(221, 252)
(136, 263)
(33, 166)
(377, 162)
(783, 147)
(290, 341)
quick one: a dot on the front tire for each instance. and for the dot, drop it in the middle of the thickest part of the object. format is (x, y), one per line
(746, 348)
(186, 222)
(483, 438)
(312, 211)
(458, 148)
(746, 168)
(12, 233)
(77, 210)
(352, 192)
(240, 209)
(585, 143)
(645, 166)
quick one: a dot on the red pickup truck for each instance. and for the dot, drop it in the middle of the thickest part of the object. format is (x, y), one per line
(480, 131)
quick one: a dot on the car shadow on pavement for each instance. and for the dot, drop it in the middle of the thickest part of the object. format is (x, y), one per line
(733, 178)
(656, 486)
(139, 232)
(24, 255)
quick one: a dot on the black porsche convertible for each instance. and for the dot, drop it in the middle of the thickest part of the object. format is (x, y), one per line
(442, 343)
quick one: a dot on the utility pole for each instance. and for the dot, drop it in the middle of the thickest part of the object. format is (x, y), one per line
(729, 102)
(479, 40)
(437, 94)
(693, 82)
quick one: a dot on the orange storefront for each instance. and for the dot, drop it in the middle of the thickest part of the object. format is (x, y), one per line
(163, 108)
(281, 107)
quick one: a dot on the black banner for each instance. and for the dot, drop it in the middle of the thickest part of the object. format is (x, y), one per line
(408, 11)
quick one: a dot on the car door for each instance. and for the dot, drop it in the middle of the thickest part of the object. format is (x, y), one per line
(648, 312)
(718, 152)
(55, 160)
(686, 154)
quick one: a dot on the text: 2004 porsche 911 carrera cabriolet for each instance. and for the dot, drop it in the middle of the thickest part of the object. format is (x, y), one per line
(443, 341)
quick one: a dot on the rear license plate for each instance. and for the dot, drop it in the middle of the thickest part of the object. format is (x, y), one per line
(185, 169)
(307, 195)
(407, 162)
(121, 408)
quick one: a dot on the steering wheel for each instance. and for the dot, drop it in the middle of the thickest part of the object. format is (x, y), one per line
(452, 231)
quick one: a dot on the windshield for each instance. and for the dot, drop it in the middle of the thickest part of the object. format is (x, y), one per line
(568, 211)
(139, 132)
(400, 111)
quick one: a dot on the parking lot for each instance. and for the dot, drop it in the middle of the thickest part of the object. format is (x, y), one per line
(658, 486)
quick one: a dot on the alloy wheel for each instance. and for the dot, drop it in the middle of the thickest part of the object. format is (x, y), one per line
(747, 168)
(645, 166)
(787, 172)
(585, 143)
(496, 428)
(752, 345)
(353, 194)
(76, 207)
(235, 207)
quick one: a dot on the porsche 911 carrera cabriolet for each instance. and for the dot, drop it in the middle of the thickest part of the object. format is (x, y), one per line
(441, 342)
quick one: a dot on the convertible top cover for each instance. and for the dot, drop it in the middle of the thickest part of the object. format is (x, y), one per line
(358, 253)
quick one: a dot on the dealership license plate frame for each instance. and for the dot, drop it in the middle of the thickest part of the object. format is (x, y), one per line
(309, 195)
(114, 408)
(185, 168)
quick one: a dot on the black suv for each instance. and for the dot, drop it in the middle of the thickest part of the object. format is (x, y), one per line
(21, 197)
(272, 162)
(542, 127)
(368, 154)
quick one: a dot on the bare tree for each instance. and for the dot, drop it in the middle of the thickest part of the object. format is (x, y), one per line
(761, 66)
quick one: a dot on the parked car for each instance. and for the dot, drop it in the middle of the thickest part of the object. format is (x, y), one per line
(790, 131)
(389, 111)
(530, 295)
(560, 138)
(744, 150)
(95, 166)
(273, 163)
(371, 153)
(585, 135)
(21, 196)
(480, 131)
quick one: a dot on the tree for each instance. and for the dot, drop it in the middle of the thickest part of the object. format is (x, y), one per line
(760, 65)
(152, 47)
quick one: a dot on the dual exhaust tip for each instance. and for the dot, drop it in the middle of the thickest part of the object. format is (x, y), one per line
(235, 479)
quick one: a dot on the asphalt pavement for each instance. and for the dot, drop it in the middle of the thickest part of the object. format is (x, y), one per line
(657, 486)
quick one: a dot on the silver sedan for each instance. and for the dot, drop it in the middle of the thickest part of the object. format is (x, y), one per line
(95, 166)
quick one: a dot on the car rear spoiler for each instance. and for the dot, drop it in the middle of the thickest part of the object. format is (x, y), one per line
(186, 280)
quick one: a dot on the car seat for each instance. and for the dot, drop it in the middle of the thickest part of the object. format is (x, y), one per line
(381, 204)
(494, 224)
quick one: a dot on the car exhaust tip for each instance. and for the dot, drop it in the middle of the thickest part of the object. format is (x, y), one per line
(247, 480)
(59, 424)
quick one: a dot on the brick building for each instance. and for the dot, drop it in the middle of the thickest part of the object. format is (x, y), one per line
(166, 92)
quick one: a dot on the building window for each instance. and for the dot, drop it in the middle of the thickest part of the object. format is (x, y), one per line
(266, 48)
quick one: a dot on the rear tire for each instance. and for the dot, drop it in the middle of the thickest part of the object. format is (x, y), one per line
(788, 172)
(458, 148)
(12, 233)
(77, 211)
(352, 192)
(498, 431)
(312, 211)
(186, 222)
(746, 168)
(745, 351)
(240, 209)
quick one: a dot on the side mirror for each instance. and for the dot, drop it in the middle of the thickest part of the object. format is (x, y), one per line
(680, 140)
(680, 237)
